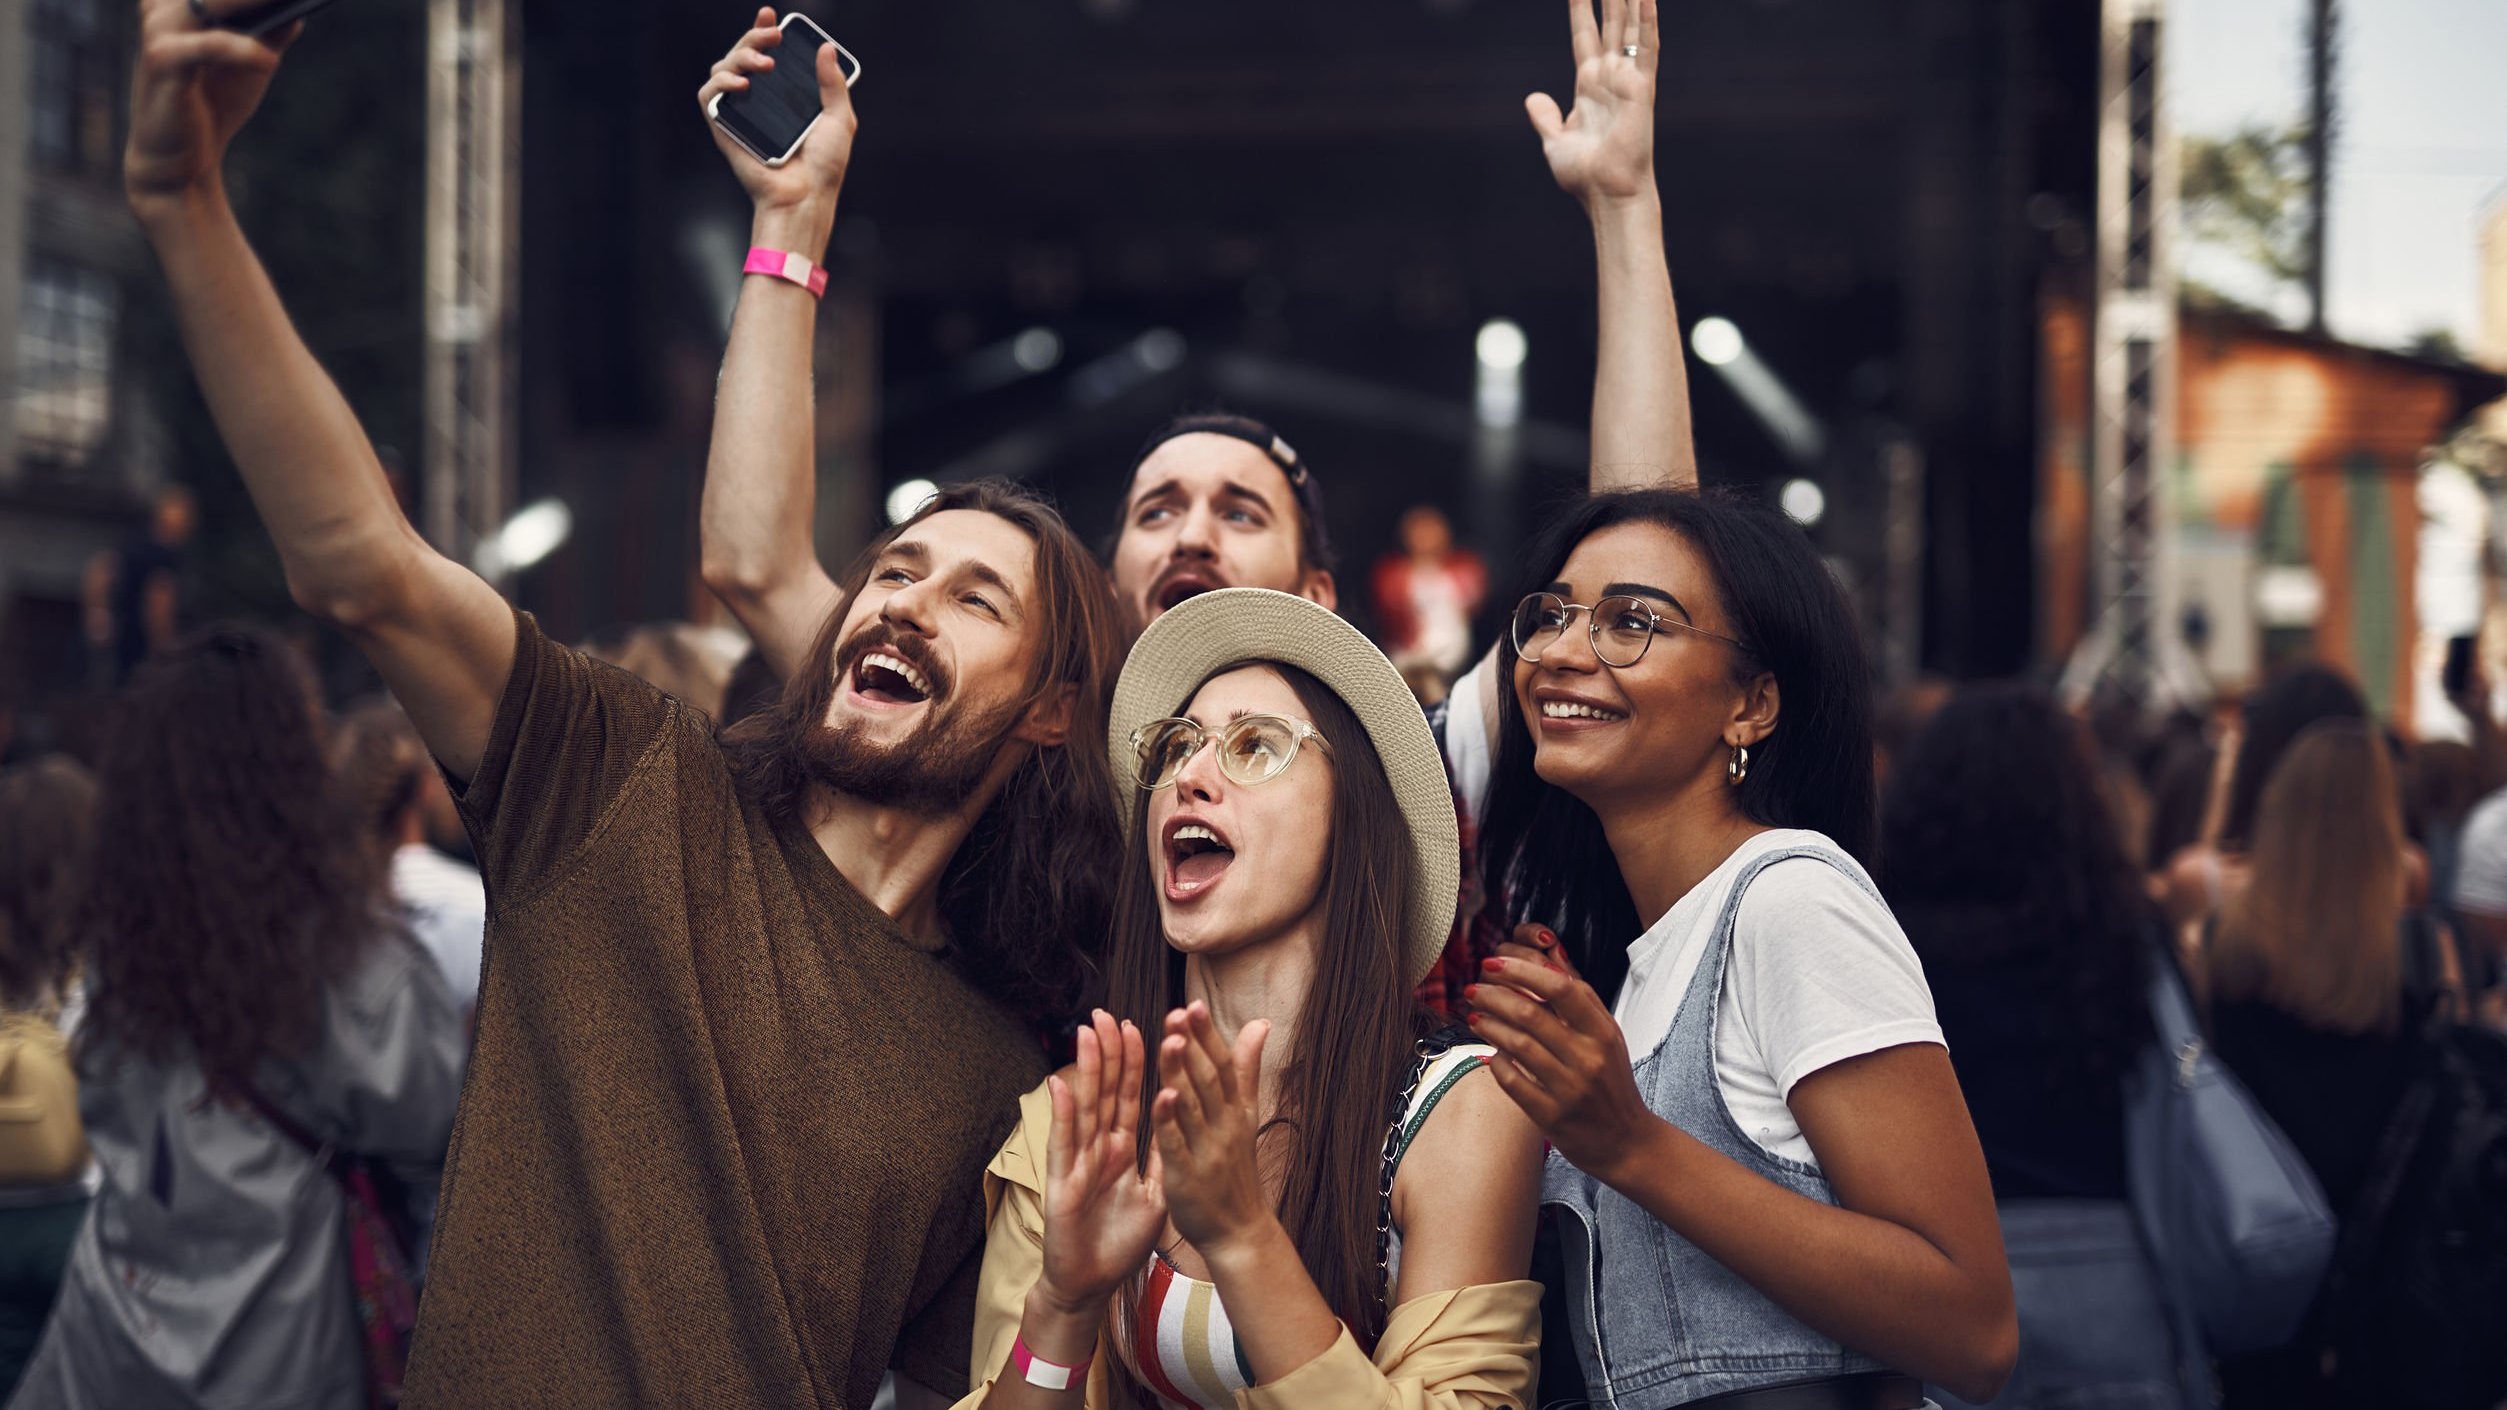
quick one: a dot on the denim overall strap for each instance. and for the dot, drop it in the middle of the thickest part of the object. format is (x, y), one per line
(1657, 1321)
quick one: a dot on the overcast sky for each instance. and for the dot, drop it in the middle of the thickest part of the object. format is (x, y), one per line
(2422, 127)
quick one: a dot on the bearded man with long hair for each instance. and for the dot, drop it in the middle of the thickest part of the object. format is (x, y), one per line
(755, 1010)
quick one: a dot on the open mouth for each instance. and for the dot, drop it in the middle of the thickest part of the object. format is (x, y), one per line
(1196, 856)
(1183, 588)
(890, 680)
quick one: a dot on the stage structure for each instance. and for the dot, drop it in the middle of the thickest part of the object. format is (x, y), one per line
(2137, 646)
(474, 114)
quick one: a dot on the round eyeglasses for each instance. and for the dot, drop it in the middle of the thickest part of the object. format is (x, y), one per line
(1620, 628)
(1254, 749)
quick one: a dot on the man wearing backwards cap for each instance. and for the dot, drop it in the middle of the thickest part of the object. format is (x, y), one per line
(1214, 501)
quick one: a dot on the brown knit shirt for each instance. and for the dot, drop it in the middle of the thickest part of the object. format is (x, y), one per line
(726, 1125)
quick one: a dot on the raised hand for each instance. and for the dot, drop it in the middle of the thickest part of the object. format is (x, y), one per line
(816, 173)
(193, 89)
(1603, 150)
(1102, 1215)
(1205, 1121)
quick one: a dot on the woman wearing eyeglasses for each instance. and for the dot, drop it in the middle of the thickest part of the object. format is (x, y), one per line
(1772, 1194)
(1267, 1182)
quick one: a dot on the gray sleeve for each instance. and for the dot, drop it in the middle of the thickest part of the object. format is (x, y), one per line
(394, 1048)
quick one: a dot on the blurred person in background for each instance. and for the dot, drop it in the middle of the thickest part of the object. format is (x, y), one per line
(1901, 714)
(676, 658)
(2308, 1000)
(47, 812)
(240, 964)
(133, 595)
(386, 781)
(2198, 881)
(2180, 769)
(1426, 596)
(2036, 932)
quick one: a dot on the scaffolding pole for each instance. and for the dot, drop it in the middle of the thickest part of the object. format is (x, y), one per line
(2136, 647)
(474, 114)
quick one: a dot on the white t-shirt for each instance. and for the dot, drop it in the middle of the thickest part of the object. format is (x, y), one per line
(2481, 859)
(1820, 970)
(447, 906)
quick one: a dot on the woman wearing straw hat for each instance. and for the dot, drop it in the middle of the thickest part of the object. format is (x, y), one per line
(1267, 1182)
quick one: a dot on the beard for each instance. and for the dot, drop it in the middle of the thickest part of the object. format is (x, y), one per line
(930, 773)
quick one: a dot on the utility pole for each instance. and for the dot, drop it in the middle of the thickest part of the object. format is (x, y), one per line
(2323, 26)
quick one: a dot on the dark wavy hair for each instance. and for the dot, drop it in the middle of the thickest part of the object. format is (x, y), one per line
(2304, 695)
(1355, 1037)
(47, 819)
(229, 887)
(1028, 895)
(1545, 851)
(2001, 858)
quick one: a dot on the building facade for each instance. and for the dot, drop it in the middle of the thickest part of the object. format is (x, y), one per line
(80, 453)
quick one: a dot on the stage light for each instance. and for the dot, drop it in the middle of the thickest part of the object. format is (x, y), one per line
(1804, 502)
(1502, 345)
(536, 531)
(1037, 350)
(908, 499)
(1716, 342)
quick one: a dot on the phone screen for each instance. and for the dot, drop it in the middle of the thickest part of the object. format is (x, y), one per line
(771, 114)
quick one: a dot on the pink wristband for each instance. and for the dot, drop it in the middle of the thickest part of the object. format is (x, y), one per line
(783, 264)
(1043, 1374)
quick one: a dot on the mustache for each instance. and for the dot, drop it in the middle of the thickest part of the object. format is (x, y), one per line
(1201, 568)
(913, 650)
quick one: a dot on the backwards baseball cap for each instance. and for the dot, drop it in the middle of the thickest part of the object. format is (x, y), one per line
(1314, 539)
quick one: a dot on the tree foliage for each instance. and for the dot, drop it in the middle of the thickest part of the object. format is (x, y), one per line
(2245, 195)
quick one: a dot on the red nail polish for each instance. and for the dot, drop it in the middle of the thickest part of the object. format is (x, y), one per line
(1549, 938)
(1471, 993)
(1472, 1019)
(1494, 965)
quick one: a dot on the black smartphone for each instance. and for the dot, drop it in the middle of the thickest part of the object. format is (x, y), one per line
(265, 17)
(775, 112)
(2458, 676)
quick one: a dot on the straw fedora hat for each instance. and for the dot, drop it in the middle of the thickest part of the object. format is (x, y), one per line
(1191, 642)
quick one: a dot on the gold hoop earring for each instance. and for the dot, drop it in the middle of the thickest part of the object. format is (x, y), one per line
(1739, 766)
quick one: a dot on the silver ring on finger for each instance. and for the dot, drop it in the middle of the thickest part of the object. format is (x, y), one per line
(1629, 50)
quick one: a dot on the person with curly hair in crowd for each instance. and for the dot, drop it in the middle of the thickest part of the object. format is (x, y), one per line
(244, 981)
(2001, 858)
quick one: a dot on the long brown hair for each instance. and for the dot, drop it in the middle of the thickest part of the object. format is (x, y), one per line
(47, 814)
(2317, 932)
(1027, 896)
(1355, 1036)
(227, 888)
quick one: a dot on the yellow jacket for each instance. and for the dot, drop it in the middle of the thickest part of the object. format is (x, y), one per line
(1473, 1348)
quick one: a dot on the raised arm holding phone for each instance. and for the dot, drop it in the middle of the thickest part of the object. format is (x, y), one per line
(748, 1027)
(760, 482)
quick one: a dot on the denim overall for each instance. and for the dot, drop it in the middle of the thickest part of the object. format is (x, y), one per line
(1657, 1321)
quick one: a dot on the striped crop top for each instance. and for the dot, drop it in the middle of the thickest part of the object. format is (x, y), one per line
(1178, 1340)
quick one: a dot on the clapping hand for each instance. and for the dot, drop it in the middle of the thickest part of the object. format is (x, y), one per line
(1603, 150)
(1205, 1119)
(1103, 1215)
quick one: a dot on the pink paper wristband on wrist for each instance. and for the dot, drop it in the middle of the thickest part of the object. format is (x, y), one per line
(784, 264)
(1043, 1374)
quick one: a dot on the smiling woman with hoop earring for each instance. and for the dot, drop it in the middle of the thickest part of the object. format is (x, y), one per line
(1772, 1195)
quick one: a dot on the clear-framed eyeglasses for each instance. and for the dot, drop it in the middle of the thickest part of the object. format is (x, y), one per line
(1254, 749)
(1620, 628)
